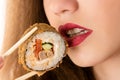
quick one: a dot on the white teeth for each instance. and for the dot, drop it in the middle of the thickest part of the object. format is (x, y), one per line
(85, 31)
(76, 31)
(70, 32)
(82, 32)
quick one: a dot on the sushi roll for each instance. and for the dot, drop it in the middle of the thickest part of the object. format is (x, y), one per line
(44, 50)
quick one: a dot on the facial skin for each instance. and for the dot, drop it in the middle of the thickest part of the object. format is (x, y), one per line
(102, 16)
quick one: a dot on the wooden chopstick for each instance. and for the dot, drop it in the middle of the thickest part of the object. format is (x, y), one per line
(24, 77)
(15, 46)
(28, 75)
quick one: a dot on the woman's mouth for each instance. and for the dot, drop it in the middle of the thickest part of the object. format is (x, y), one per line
(74, 34)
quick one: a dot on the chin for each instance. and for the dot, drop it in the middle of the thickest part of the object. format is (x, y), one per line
(87, 61)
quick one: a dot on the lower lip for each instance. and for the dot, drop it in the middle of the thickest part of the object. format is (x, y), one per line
(76, 40)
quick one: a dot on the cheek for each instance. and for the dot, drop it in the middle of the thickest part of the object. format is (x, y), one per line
(53, 19)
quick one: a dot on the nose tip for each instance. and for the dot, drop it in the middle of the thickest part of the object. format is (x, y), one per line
(62, 6)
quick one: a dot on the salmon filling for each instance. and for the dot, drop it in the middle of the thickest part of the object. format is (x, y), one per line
(43, 50)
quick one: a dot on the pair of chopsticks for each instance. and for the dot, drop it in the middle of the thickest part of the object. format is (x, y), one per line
(15, 46)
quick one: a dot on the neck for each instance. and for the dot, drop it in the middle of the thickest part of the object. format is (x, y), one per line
(109, 69)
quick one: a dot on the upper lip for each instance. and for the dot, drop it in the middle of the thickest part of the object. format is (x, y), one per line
(69, 28)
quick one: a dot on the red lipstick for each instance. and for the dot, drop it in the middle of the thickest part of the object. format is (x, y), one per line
(74, 34)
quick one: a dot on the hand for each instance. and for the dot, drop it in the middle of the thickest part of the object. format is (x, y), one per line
(1, 62)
